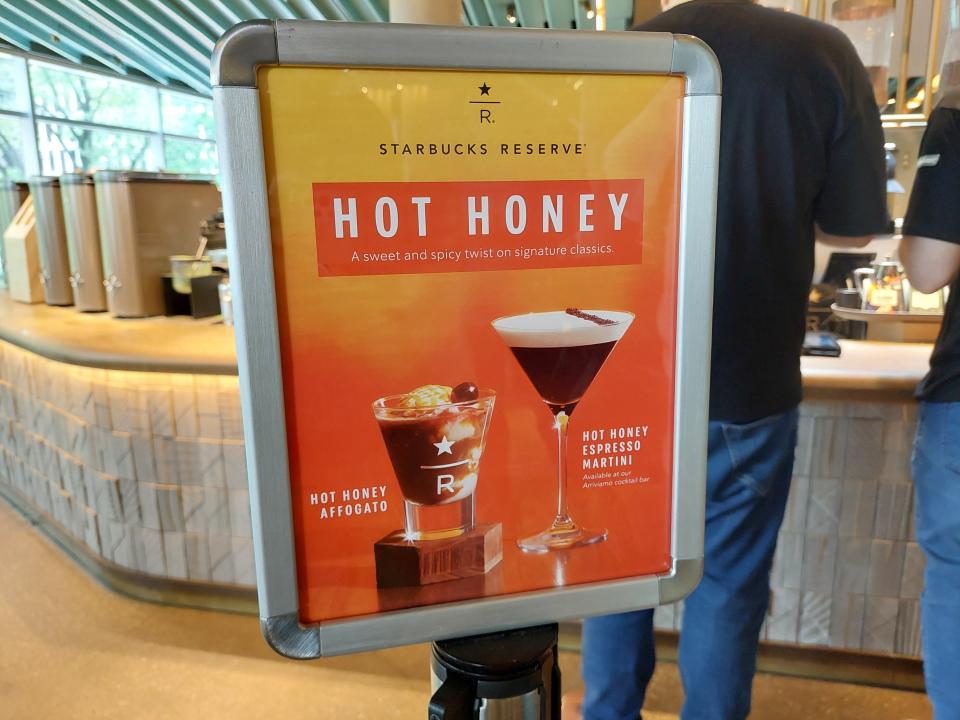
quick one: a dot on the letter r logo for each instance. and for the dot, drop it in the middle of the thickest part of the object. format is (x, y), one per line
(445, 482)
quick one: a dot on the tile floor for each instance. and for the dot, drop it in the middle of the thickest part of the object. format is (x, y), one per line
(70, 648)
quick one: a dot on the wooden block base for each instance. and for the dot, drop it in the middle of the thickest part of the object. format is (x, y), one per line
(403, 562)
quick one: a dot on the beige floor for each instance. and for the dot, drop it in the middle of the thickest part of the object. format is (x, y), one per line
(71, 649)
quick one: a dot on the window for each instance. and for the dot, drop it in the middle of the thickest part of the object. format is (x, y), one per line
(190, 118)
(66, 148)
(187, 115)
(13, 164)
(190, 156)
(81, 120)
(14, 95)
(17, 158)
(67, 94)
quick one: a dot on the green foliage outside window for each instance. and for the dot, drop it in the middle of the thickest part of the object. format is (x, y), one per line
(187, 115)
(87, 121)
(13, 95)
(11, 149)
(84, 97)
(190, 156)
(83, 148)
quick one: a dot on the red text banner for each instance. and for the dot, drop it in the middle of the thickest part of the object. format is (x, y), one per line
(390, 228)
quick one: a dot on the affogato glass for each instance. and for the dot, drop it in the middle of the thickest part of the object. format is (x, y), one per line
(435, 450)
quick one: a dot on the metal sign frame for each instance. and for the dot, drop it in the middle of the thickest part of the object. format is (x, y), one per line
(238, 55)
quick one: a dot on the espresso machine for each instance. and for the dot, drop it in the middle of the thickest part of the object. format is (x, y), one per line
(509, 675)
(144, 219)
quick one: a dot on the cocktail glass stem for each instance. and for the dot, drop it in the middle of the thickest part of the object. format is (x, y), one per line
(563, 532)
(563, 516)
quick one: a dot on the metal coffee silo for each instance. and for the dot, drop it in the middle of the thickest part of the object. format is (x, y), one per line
(83, 241)
(144, 219)
(52, 241)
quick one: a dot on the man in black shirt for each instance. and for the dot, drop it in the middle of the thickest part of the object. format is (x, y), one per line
(930, 251)
(801, 157)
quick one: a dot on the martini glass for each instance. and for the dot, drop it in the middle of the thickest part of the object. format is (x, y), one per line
(561, 352)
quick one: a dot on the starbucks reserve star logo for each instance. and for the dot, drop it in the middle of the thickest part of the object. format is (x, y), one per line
(486, 111)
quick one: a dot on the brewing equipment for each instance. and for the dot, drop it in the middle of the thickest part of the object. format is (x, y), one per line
(83, 241)
(145, 218)
(51, 240)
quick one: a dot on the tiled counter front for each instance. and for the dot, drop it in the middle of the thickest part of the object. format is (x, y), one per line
(848, 572)
(146, 469)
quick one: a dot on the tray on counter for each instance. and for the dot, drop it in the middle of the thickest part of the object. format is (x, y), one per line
(887, 317)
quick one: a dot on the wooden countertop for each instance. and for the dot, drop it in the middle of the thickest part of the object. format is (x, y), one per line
(180, 344)
(868, 366)
(161, 344)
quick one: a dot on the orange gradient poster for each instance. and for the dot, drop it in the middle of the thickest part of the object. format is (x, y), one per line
(476, 282)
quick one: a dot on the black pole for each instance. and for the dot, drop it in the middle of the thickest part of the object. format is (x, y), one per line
(513, 671)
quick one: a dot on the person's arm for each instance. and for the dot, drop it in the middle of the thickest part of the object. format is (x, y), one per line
(930, 264)
(930, 248)
(842, 241)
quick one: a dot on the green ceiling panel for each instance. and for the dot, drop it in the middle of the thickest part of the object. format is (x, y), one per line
(171, 41)
(532, 14)
(213, 23)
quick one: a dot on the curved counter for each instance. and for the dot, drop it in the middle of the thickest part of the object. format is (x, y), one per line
(175, 344)
(123, 438)
(183, 345)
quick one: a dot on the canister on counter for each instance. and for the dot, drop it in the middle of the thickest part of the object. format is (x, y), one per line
(83, 241)
(52, 241)
(144, 219)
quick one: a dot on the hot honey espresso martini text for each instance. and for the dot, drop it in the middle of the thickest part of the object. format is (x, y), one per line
(561, 351)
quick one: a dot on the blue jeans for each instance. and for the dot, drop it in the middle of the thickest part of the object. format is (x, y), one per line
(748, 480)
(936, 475)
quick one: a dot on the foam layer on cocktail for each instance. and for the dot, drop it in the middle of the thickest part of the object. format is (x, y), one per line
(558, 328)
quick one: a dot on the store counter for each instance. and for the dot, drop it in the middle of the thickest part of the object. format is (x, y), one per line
(123, 438)
(175, 344)
(848, 572)
(880, 371)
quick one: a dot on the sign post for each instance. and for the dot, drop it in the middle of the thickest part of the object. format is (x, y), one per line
(474, 279)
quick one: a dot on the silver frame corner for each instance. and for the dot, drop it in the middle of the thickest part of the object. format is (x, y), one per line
(695, 59)
(240, 51)
(289, 638)
(686, 576)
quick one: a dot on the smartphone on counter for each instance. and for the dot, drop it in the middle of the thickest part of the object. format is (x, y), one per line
(821, 343)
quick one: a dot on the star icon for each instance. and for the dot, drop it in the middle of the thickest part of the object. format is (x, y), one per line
(444, 446)
(484, 89)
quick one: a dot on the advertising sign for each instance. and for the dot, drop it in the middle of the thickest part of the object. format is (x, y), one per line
(471, 410)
